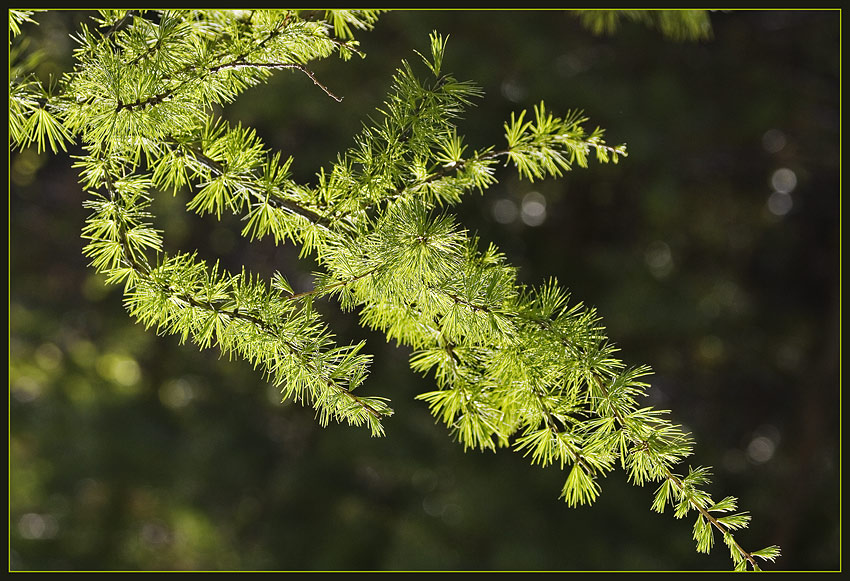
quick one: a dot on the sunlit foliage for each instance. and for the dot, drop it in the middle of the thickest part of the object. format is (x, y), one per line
(513, 366)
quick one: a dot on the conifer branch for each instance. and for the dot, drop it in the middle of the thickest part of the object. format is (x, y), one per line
(724, 530)
(513, 367)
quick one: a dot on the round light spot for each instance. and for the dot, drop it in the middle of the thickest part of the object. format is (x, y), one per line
(176, 393)
(710, 350)
(783, 180)
(25, 165)
(763, 444)
(533, 209)
(779, 203)
(773, 141)
(38, 526)
(48, 356)
(505, 211)
(26, 389)
(119, 368)
(513, 91)
(761, 449)
(659, 258)
(126, 371)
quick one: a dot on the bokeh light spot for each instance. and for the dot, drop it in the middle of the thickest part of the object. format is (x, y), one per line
(25, 165)
(48, 356)
(760, 449)
(176, 393)
(783, 180)
(533, 209)
(119, 369)
(659, 258)
(710, 350)
(779, 203)
(26, 389)
(773, 141)
(505, 211)
(513, 91)
(762, 446)
(37, 526)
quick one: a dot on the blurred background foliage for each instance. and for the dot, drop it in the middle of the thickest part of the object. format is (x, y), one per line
(712, 253)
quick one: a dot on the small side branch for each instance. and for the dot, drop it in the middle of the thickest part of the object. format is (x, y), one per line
(279, 66)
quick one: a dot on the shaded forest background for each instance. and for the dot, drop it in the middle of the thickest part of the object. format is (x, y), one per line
(711, 252)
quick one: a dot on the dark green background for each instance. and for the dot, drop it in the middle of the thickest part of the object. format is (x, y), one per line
(129, 451)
